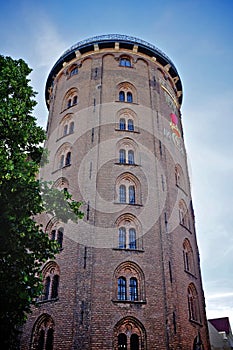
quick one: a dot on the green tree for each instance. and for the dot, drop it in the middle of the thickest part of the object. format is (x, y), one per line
(24, 246)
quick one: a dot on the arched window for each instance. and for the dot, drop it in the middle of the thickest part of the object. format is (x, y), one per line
(63, 156)
(126, 119)
(70, 99)
(122, 124)
(126, 92)
(125, 62)
(188, 257)
(193, 303)
(128, 233)
(126, 156)
(133, 289)
(122, 157)
(43, 333)
(128, 189)
(122, 238)
(129, 333)
(129, 282)
(179, 177)
(51, 281)
(74, 71)
(122, 194)
(66, 126)
(122, 288)
(184, 215)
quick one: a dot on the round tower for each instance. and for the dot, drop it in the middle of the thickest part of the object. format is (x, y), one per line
(128, 274)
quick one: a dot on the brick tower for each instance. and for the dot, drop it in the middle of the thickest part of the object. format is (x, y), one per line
(128, 275)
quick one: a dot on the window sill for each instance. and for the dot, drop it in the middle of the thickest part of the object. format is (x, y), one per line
(131, 131)
(64, 110)
(190, 273)
(46, 301)
(181, 189)
(119, 163)
(70, 133)
(131, 204)
(188, 229)
(130, 103)
(130, 250)
(65, 166)
(129, 301)
(196, 322)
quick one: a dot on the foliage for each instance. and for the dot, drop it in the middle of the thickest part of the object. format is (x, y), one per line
(23, 244)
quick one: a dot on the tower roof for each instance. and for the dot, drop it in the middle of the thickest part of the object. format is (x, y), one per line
(108, 41)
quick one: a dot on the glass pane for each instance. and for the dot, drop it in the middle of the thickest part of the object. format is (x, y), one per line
(130, 125)
(131, 157)
(122, 238)
(121, 96)
(132, 238)
(131, 195)
(121, 289)
(122, 194)
(129, 97)
(122, 158)
(133, 289)
(122, 124)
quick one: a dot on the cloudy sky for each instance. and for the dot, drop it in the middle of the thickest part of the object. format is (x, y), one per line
(198, 36)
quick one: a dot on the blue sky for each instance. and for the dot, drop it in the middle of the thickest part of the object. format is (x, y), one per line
(197, 35)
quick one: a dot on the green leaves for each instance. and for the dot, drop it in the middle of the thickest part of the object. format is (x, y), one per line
(24, 246)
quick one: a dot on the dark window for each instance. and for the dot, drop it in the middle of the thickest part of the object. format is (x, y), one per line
(122, 341)
(53, 235)
(121, 96)
(122, 158)
(133, 289)
(125, 62)
(60, 236)
(68, 158)
(55, 283)
(65, 130)
(122, 194)
(121, 288)
(134, 342)
(75, 100)
(122, 238)
(71, 130)
(131, 157)
(62, 161)
(132, 238)
(49, 340)
(122, 124)
(46, 288)
(69, 103)
(129, 97)
(131, 194)
(40, 345)
(130, 125)
(74, 71)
